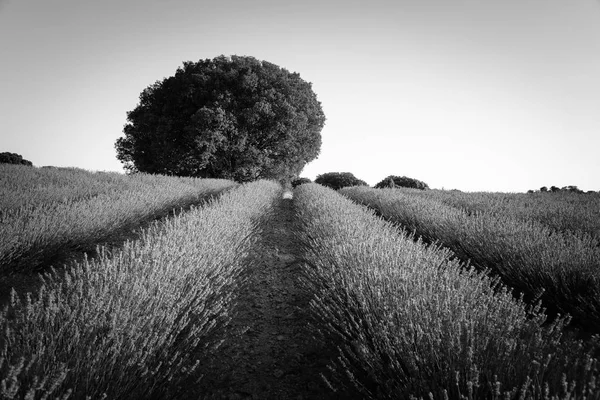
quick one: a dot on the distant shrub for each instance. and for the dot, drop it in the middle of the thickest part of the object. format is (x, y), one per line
(571, 188)
(300, 181)
(338, 180)
(13, 158)
(401, 181)
(554, 189)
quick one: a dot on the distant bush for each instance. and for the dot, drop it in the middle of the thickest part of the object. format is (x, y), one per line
(300, 181)
(555, 189)
(13, 158)
(401, 181)
(338, 180)
(571, 188)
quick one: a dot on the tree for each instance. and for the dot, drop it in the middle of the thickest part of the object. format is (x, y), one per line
(338, 180)
(401, 181)
(571, 188)
(13, 158)
(235, 118)
(299, 181)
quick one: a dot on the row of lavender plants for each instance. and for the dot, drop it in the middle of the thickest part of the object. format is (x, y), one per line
(134, 323)
(560, 268)
(561, 211)
(414, 322)
(27, 187)
(37, 230)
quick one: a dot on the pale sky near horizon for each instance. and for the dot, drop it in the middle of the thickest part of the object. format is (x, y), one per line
(499, 95)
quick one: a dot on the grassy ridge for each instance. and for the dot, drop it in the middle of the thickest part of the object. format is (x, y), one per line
(413, 321)
(76, 208)
(134, 324)
(561, 268)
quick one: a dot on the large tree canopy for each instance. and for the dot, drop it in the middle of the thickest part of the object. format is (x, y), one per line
(235, 118)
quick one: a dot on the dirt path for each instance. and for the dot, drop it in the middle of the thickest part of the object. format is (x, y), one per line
(269, 351)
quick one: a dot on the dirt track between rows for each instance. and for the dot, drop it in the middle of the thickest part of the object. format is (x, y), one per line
(269, 351)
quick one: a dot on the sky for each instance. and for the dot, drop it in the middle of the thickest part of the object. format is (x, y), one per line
(476, 95)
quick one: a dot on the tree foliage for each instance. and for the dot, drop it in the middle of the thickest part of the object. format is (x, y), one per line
(235, 118)
(556, 189)
(338, 180)
(300, 181)
(401, 181)
(13, 158)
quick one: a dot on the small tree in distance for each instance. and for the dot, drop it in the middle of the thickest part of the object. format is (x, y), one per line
(299, 181)
(556, 189)
(338, 180)
(393, 181)
(13, 158)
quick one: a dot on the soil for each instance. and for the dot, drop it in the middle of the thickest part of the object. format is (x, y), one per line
(270, 351)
